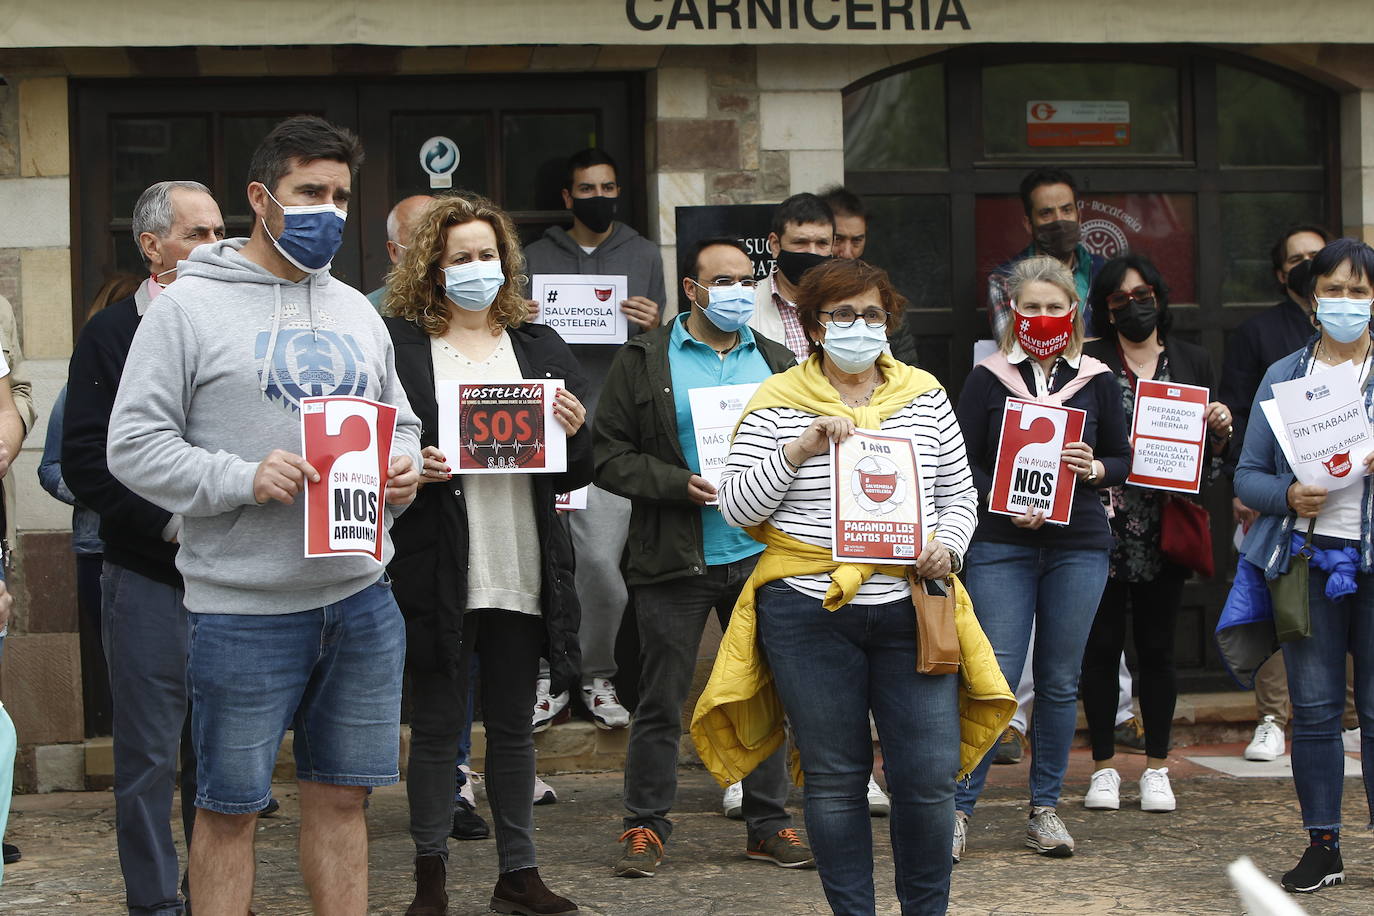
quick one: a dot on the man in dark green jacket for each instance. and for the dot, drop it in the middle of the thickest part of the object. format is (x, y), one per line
(683, 559)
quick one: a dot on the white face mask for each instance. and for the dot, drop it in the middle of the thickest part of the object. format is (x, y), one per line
(474, 285)
(855, 348)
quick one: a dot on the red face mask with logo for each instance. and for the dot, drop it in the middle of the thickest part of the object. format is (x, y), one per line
(1043, 336)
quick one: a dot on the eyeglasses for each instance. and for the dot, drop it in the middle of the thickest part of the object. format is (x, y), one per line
(845, 316)
(726, 282)
(1141, 295)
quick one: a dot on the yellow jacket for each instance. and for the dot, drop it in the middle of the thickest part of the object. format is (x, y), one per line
(738, 722)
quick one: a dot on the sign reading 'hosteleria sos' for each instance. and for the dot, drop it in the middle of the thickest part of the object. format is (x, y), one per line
(875, 494)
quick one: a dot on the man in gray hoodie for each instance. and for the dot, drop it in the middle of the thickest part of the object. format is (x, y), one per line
(598, 244)
(207, 424)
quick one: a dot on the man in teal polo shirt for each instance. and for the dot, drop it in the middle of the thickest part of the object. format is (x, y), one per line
(683, 559)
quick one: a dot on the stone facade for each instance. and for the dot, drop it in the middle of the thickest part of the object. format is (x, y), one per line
(723, 125)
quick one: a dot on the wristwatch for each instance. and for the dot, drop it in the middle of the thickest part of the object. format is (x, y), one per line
(1091, 479)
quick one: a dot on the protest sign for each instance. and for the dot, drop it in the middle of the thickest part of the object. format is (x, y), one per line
(501, 427)
(1324, 420)
(1167, 436)
(348, 441)
(875, 492)
(715, 413)
(573, 499)
(583, 308)
(1030, 474)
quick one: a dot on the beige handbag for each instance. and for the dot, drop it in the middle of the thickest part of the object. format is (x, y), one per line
(937, 639)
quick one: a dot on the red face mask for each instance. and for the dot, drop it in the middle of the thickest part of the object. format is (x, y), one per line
(1043, 336)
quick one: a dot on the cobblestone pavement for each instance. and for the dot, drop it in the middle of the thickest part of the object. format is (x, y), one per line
(1127, 861)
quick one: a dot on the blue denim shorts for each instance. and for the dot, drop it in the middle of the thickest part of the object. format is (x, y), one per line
(333, 674)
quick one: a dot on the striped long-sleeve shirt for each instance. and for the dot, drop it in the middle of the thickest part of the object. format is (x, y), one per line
(759, 484)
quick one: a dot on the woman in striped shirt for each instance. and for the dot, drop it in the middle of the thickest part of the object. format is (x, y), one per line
(840, 639)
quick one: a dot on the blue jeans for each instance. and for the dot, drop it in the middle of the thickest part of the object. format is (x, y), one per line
(831, 669)
(1316, 687)
(333, 674)
(1059, 590)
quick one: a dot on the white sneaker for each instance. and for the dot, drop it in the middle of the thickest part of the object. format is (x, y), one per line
(546, 706)
(1267, 743)
(544, 793)
(599, 696)
(1155, 792)
(879, 805)
(467, 793)
(732, 804)
(1350, 740)
(1104, 791)
(960, 835)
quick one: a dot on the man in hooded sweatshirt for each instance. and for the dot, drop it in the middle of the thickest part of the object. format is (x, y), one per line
(598, 244)
(207, 424)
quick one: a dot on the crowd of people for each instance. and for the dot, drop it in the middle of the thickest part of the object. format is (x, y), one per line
(177, 441)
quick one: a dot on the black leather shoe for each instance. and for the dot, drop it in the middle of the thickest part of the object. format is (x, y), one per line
(521, 892)
(467, 823)
(431, 898)
(12, 853)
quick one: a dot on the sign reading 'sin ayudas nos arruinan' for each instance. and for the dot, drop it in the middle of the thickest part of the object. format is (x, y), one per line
(777, 15)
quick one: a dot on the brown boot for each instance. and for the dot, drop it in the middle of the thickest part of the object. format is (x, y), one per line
(521, 892)
(431, 899)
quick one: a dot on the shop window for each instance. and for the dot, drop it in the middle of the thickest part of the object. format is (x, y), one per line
(472, 133)
(1261, 121)
(1084, 110)
(1250, 222)
(537, 146)
(897, 123)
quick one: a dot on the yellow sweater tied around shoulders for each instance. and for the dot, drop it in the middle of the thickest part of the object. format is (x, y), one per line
(738, 721)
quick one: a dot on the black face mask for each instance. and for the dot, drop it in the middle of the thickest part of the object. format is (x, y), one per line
(1136, 320)
(1058, 238)
(795, 264)
(595, 213)
(1298, 278)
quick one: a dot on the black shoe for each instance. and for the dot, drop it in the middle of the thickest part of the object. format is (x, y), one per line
(12, 853)
(467, 823)
(1319, 867)
(273, 806)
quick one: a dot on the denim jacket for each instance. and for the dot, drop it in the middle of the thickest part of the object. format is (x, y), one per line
(85, 522)
(1263, 477)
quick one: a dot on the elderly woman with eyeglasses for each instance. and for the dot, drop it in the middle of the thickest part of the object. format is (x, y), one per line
(835, 640)
(1130, 307)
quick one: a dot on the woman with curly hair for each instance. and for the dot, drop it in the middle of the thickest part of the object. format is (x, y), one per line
(481, 563)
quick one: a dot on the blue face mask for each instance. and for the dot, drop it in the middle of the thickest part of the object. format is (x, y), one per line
(310, 236)
(855, 348)
(1345, 320)
(729, 307)
(473, 285)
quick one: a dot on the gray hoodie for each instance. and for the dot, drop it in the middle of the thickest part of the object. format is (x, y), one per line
(213, 384)
(623, 252)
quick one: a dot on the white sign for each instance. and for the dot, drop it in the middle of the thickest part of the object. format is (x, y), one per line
(1170, 431)
(715, 413)
(439, 157)
(1324, 419)
(573, 499)
(583, 308)
(875, 492)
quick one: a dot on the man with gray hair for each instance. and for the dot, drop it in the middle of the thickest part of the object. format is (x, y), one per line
(143, 621)
(399, 223)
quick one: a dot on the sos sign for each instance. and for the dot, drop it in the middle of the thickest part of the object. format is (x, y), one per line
(501, 427)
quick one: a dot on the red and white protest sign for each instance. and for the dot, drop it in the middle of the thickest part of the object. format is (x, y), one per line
(348, 441)
(571, 501)
(875, 490)
(1167, 436)
(1030, 474)
(501, 427)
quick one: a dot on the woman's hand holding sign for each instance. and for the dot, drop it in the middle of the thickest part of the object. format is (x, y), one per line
(282, 475)
(1307, 499)
(569, 411)
(436, 468)
(817, 438)
(1079, 457)
(934, 561)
